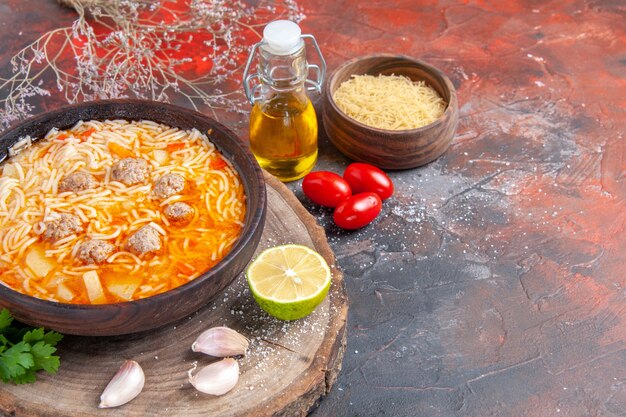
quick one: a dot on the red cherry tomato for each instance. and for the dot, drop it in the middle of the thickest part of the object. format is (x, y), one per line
(357, 211)
(326, 188)
(367, 178)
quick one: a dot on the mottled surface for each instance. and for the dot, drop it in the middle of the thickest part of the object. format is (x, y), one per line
(494, 283)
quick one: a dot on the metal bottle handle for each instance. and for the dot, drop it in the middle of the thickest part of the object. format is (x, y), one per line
(251, 89)
(247, 78)
(316, 85)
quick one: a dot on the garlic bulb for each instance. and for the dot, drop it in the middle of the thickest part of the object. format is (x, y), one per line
(217, 378)
(220, 342)
(125, 385)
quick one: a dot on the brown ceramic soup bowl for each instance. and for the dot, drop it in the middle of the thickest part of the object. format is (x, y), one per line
(390, 149)
(152, 312)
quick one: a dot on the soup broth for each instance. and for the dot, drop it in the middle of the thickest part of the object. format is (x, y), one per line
(115, 211)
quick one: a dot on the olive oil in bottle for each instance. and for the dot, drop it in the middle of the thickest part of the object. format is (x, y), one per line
(283, 123)
(283, 136)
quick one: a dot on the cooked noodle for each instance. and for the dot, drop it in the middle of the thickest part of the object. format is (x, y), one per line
(112, 211)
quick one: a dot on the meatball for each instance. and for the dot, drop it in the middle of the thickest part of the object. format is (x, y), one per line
(178, 212)
(168, 185)
(61, 225)
(94, 251)
(77, 181)
(144, 240)
(130, 171)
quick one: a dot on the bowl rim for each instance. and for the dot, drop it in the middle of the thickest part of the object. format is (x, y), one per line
(251, 222)
(441, 119)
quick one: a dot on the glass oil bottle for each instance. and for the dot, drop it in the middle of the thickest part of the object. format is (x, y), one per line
(283, 123)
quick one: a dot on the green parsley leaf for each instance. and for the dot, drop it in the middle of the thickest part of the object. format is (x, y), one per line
(34, 335)
(25, 350)
(52, 338)
(26, 378)
(42, 355)
(5, 319)
(16, 360)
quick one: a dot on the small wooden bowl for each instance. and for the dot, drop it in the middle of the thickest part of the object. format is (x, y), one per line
(159, 310)
(390, 149)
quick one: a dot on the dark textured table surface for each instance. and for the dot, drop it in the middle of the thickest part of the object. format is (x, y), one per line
(494, 283)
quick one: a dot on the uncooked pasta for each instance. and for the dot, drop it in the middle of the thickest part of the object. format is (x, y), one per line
(390, 102)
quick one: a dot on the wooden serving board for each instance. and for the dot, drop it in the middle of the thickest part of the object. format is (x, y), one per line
(289, 365)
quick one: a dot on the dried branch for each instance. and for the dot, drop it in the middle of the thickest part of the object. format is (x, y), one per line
(137, 48)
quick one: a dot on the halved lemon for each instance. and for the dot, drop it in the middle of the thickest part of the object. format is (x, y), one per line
(289, 281)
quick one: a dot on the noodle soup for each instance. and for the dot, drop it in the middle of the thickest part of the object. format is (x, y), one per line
(116, 211)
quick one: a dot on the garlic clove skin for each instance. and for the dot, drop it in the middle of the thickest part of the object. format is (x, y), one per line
(220, 342)
(217, 378)
(125, 385)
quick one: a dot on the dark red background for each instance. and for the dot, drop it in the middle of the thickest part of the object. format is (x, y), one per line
(494, 284)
